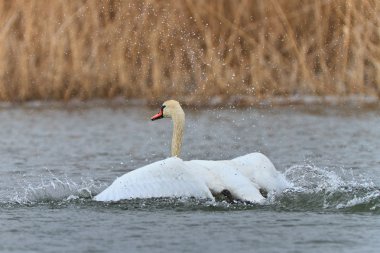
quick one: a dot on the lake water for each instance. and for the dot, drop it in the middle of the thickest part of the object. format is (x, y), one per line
(54, 158)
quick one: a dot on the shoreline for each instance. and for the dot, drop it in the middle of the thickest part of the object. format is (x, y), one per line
(239, 101)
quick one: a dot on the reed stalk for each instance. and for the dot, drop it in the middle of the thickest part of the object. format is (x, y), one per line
(190, 50)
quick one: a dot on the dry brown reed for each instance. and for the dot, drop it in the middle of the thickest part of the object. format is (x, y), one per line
(190, 50)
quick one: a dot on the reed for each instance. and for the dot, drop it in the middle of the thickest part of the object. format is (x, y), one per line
(190, 50)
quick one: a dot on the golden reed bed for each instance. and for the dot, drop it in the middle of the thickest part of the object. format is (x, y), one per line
(190, 50)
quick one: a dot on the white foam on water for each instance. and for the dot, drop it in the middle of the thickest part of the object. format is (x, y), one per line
(366, 199)
(336, 188)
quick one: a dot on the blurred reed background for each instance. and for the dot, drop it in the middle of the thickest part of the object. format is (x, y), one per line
(189, 50)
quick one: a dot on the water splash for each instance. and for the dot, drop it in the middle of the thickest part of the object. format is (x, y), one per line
(312, 189)
(53, 189)
(322, 189)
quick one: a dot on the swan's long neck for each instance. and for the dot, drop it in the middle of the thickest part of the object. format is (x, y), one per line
(178, 128)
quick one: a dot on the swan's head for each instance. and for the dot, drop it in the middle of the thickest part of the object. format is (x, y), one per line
(172, 109)
(169, 109)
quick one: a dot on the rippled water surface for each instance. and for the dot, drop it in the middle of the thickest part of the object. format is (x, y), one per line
(55, 158)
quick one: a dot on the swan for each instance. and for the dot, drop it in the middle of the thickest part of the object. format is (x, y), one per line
(243, 178)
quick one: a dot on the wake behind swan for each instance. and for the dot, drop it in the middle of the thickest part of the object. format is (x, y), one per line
(242, 178)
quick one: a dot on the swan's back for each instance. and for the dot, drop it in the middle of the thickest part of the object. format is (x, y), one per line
(166, 178)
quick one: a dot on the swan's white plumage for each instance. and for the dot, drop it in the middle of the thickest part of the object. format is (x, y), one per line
(172, 177)
(259, 169)
(222, 175)
(166, 178)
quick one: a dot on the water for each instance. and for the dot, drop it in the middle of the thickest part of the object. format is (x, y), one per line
(55, 158)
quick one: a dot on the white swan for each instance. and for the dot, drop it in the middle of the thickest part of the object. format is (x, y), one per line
(239, 178)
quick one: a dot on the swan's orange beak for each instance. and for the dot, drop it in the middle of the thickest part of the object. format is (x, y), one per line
(159, 115)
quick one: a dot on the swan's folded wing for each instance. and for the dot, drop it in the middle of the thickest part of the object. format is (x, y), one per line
(259, 169)
(220, 175)
(166, 178)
